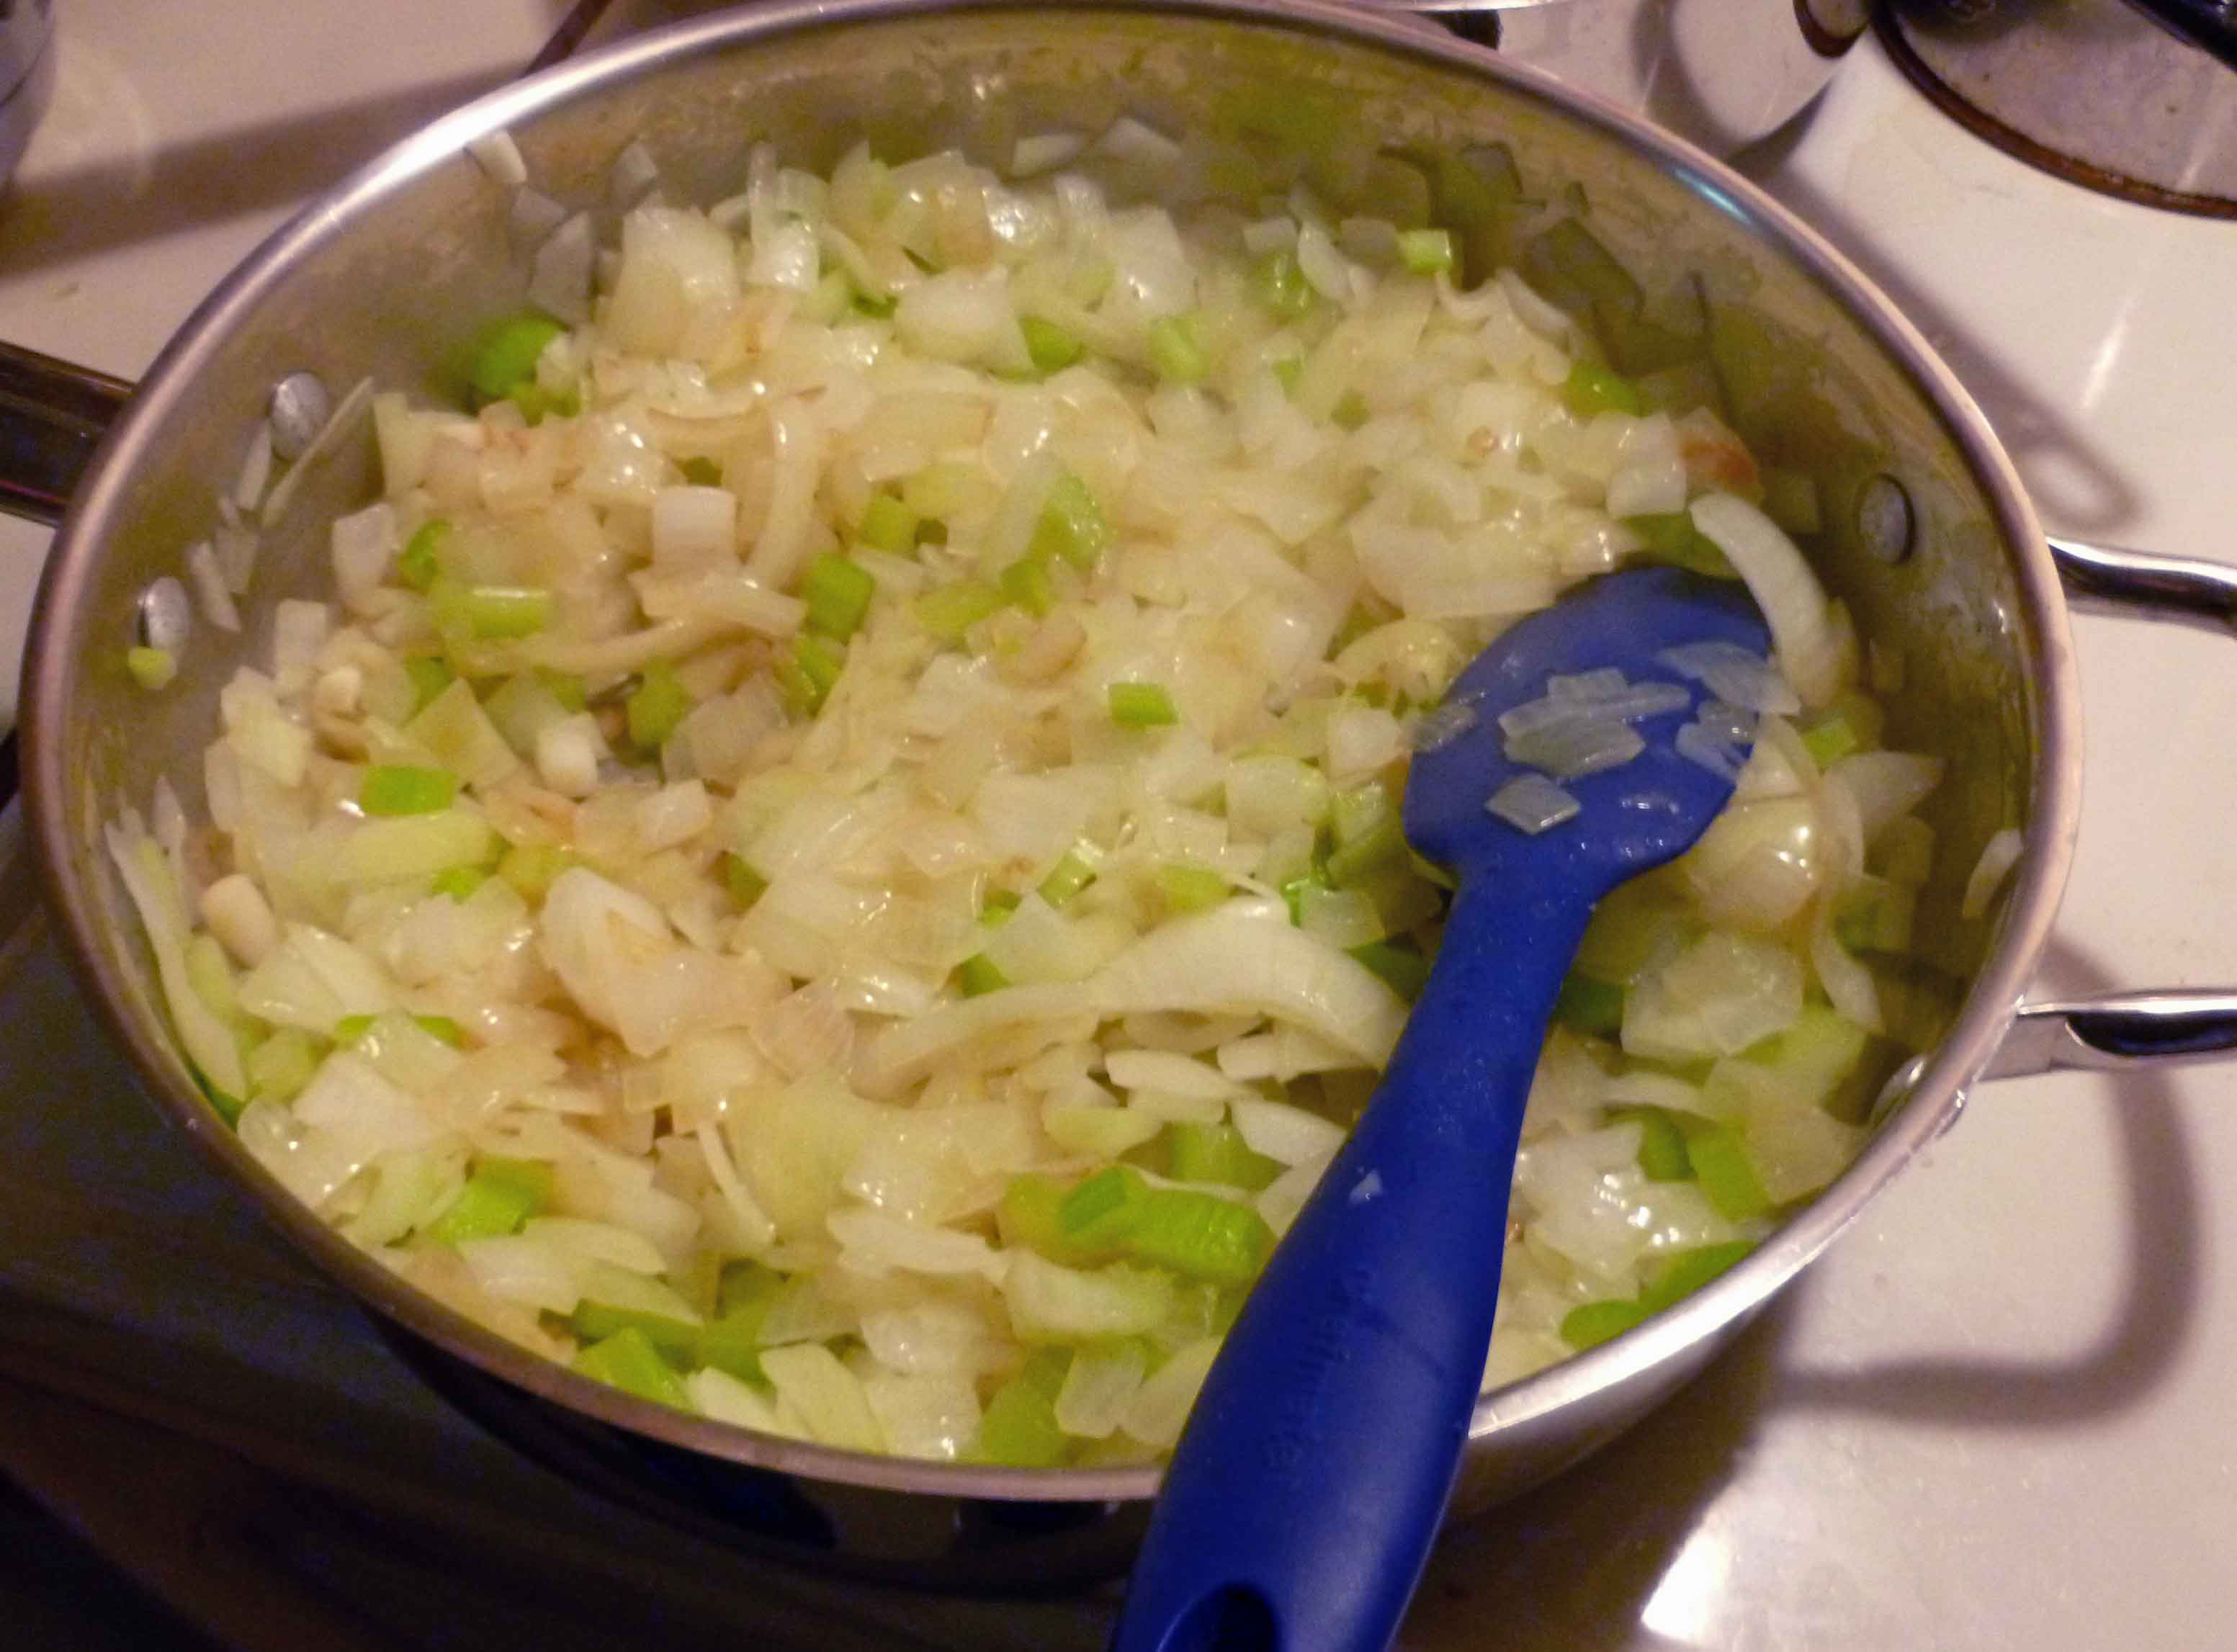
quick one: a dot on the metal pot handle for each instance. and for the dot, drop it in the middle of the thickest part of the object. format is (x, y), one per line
(2123, 1031)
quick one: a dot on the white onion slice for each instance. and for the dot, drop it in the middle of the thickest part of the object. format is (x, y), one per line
(1783, 588)
(1997, 861)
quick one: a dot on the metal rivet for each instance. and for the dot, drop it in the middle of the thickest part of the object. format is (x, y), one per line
(1885, 520)
(166, 616)
(301, 408)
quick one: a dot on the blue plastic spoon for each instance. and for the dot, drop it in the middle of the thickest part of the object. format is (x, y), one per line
(1304, 1496)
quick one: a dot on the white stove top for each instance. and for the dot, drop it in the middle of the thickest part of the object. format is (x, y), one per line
(2000, 1413)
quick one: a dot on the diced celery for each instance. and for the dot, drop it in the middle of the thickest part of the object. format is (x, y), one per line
(888, 524)
(419, 564)
(1100, 1214)
(1071, 874)
(1349, 411)
(1200, 1234)
(444, 1028)
(430, 676)
(280, 1066)
(1071, 525)
(506, 356)
(1216, 1153)
(1598, 1322)
(401, 788)
(1278, 283)
(700, 471)
(457, 882)
(947, 611)
(1018, 1427)
(1294, 890)
(838, 593)
(1721, 1165)
(529, 867)
(498, 1197)
(1829, 738)
(808, 672)
(1051, 347)
(1594, 1008)
(1174, 350)
(1359, 810)
(1682, 1272)
(1030, 1216)
(1401, 967)
(977, 975)
(1876, 916)
(941, 490)
(1188, 887)
(390, 849)
(152, 669)
(1662, 1152)
(996, 905)
(1383, 844)
(731, 1342)
(744, 883)
(746, 1285)
(534, 405)
(1592, 389)
(1028, 583)
(629, 1361)
(1287, 370)
(492, 613)
(655, 706)
(1142, 705)
(1426, 251)
(676, 1340)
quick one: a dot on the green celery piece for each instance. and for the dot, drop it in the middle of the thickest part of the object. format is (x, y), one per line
(1019, 1428)
(807, 673)
(702, 472)
(947, 611)
(1829, 738)
(1142, 705)
(505, 358)
(1278, 283)
(430, 676)
(888, 524)
(498, 1197)
(402, 788)
(1402, 968)
(416, 565)
(1379, 845)
(457, 882)
(1028, 583)
(350, 1029)
(1662, 1153)
(492, 613)
(1201, 1235)
(1071, 525)
(1682, 1272)
(1187, 887)
(745, 1285)
(996, 905)
(1051, 347)
(1673, 538)
(1426, 251)
(1598, 1322)
(1594, 1008)
(1030, 1214)
(744, 883)
(1594, 389)
(629, 1361)
(977, 976)
(227, 1108)
(1359, 810)
(838, 593)
(1071, 874)
(443, 1028)
(876, 306)
(676, 1340)
(152, 669)
(1293, 893)
(280, 1066)
(1217, 1153)
(565, 687)
(1100, 1215)
(655, 706)
(1349, 411)
(731, 1343)
(529, 867)
(1174, 350)
(1721, 1165)
(1287, 370)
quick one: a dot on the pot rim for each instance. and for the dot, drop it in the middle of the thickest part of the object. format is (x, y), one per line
(1936, 1094)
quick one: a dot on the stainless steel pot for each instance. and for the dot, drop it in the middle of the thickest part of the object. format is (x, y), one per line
(1928, 536)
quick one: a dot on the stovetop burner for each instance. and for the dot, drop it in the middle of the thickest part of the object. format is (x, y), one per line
(2092, 90)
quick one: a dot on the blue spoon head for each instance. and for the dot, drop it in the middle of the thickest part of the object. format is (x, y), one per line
(1631, 818)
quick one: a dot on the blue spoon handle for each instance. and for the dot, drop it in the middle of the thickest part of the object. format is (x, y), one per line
(1303, 1497)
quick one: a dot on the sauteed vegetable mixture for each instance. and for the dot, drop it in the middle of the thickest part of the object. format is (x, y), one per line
(834, 859)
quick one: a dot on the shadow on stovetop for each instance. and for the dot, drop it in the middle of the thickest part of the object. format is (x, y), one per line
(2075, 488)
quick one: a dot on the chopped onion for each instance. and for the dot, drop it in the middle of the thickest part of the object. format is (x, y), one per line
(1533, 804)
(1997, 859)
(210, 589)
(559, 276)
(499, 158)
(1783, 588)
